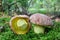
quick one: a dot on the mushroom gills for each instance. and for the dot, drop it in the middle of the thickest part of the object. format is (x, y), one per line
(22, 24)
(38, 29)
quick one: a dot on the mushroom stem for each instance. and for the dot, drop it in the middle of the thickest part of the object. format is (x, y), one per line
(38, 29)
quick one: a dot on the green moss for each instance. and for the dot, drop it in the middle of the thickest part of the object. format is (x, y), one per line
(52, 34)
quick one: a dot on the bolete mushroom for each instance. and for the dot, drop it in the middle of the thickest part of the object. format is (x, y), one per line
(40, 20)
(57, 19)
(20, 24)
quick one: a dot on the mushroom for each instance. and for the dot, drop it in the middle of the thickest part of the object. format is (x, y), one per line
(39, 21)
(57, 19)
(20, 24)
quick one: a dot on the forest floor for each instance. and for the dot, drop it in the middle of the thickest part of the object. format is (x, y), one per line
(7, 34)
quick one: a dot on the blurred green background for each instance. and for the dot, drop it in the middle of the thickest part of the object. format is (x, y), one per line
(13, 7)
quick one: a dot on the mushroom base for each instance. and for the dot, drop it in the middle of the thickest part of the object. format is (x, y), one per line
(38, 29)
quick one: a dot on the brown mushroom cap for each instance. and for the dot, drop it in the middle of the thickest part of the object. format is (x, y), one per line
(40, 19)
(15, 19)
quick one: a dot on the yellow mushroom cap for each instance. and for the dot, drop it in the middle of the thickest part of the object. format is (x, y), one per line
(20, 24)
